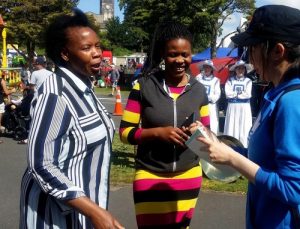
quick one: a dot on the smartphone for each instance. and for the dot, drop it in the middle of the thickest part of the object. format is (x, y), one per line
(189, 120)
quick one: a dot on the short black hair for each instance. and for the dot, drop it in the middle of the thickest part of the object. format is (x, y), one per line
(165, 32)
(55, 34)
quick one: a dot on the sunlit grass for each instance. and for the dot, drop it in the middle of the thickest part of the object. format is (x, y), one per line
(122, 171)
(107, 91)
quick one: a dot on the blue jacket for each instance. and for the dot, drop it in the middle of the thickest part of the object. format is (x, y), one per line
(274, 144)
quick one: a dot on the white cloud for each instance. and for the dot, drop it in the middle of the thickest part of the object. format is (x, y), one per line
(292, 3)
(234, 21)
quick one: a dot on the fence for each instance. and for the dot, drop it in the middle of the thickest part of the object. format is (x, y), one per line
(11, 75)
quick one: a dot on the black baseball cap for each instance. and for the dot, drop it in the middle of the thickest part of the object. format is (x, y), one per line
(271, 22)
(40, 60)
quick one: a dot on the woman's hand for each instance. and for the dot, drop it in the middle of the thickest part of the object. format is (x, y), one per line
(173, 135)
(191, 129)
(102, 219)
(218, 151)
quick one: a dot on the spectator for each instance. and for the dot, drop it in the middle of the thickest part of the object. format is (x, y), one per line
(25, 73)
(238, 88)
(40, 74)
(3, 92)
(213, 91)
(114, 78)
(21, 110)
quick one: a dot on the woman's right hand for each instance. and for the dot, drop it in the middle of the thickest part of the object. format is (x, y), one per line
(218, 151)
(173, 135)
(102, 219)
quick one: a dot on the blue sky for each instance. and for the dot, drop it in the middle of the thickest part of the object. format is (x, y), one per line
(234, 21)
(229, 26)
(94, 6)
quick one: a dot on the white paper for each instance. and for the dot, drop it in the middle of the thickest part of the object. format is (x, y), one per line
(196, 146)
(212, 170)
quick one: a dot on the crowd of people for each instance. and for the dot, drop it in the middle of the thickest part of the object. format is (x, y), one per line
(15, 115)
(111, 75)
(70, 132)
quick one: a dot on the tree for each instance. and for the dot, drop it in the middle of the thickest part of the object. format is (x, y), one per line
(123, 35)
(204, 18)
(145, 15)
(217, 11)
(27, 19)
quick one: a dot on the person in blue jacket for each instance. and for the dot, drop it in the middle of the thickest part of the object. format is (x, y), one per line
(272, 165)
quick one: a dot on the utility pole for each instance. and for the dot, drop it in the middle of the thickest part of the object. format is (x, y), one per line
(4, 55)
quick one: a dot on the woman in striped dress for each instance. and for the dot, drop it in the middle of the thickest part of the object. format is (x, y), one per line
(168, 175)
(66, 182)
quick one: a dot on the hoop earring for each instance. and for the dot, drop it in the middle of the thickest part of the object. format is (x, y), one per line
(162, 65)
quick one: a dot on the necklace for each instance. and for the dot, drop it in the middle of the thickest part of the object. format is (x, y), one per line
(182, 83)
(166, 87)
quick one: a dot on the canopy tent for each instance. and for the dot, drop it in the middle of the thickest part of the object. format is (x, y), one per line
(221, 52)
(225, 58)
(222, 66)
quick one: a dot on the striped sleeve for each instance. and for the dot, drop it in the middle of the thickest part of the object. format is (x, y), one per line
(129, 130)
(51, 120)
(204, 115)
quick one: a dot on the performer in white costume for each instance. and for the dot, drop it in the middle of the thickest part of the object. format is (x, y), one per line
(238, 119)
(213, 91)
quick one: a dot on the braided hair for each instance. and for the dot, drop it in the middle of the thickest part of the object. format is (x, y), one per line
(164, 32)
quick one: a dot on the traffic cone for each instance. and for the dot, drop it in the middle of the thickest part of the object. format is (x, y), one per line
(118, 106)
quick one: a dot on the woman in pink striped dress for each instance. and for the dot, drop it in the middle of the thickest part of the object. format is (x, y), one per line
(168, 175)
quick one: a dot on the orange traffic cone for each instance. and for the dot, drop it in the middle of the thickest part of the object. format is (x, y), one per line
(118, 105)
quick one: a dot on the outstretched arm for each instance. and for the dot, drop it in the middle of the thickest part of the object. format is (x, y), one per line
(100, 218)
(222, 154)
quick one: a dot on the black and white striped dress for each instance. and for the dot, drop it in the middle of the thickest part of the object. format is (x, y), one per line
(68, 153)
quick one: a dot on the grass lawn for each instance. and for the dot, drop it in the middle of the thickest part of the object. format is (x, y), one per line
(122, 171)
(107, 91)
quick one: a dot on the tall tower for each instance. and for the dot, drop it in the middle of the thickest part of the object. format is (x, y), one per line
(107, 9)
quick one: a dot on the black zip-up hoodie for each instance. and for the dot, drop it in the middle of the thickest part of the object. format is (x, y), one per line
(160, 110)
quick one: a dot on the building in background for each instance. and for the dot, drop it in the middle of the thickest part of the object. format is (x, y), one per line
(107, 9)
(106, 12)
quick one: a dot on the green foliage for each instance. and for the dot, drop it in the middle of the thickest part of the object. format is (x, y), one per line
(93, 22)
(123, 35)
(204, 18)
(27, 19)
(120, 51)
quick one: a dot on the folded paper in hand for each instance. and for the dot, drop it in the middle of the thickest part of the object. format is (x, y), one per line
(212, 170)
(198, 147)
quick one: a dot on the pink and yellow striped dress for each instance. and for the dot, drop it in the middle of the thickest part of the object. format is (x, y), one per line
(162, 200)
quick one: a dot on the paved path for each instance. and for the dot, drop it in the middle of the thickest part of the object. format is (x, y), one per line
(213, 211)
